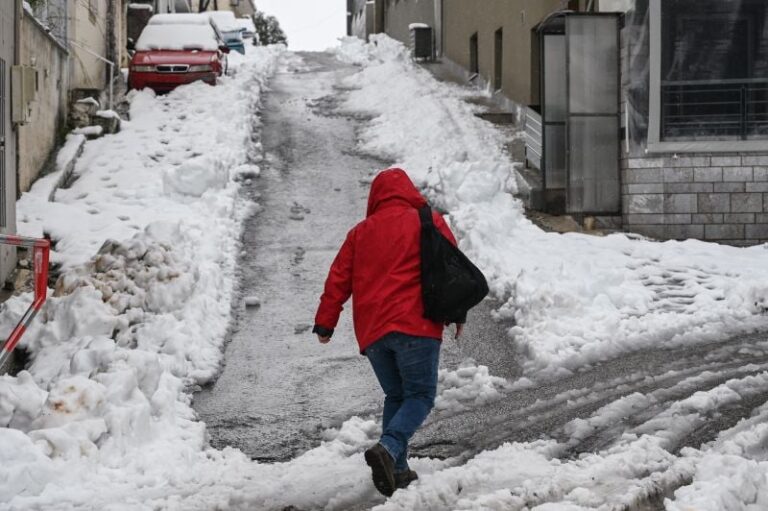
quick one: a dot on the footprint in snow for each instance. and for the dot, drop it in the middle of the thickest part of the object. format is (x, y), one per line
(123, 218)
(300, 329)
(298, 211)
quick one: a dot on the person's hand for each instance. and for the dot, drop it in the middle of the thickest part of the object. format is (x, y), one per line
(459, 330)
(323, 339)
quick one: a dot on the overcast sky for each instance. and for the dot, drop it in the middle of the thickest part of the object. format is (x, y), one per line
(309, 24)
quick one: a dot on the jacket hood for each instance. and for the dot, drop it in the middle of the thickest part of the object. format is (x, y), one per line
(390, 185)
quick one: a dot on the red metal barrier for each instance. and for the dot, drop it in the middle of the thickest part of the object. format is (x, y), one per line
(41, 249)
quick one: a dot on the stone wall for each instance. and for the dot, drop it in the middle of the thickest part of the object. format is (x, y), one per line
(715, 197)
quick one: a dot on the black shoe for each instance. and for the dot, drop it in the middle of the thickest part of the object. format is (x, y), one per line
(403, 479)
(382, 469)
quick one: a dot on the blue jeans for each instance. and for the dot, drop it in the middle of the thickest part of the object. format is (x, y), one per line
(406, 367)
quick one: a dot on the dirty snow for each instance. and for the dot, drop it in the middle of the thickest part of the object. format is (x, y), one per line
(102, 417)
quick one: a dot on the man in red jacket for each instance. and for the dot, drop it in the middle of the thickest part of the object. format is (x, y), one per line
(379, 265)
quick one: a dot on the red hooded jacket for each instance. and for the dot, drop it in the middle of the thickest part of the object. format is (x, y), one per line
(379, 265)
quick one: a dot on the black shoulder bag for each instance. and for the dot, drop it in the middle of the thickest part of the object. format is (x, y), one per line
(450, 283)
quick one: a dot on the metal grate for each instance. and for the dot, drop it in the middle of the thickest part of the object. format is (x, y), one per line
(735, 109)
(172, 68)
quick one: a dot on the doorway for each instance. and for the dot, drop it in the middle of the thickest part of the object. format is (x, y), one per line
(498, 57)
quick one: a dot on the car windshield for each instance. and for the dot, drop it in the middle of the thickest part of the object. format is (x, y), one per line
(232, 35)
(177, 37)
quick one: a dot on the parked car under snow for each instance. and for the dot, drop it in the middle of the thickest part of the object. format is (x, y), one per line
(231, 31)
(176, 49)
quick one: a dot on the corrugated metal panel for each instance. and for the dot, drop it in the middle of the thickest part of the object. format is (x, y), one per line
(533, 138)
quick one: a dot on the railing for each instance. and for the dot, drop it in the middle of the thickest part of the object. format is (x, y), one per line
(715, 109)
(40, 253)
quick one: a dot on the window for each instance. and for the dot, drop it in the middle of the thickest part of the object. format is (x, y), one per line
(474, 67)
(498, 57)
(714, 70)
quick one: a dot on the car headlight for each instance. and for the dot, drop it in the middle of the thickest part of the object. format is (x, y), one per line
(202, 68)
(143, 69)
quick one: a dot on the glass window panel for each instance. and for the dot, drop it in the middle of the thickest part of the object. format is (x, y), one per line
(593, 69)
(714, 69)
(554, 78)
(593, 185)
(555, 156)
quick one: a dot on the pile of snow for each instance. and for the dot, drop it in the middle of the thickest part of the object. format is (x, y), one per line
(225, 21)
(608, 296)
(195, 176)
(147, 240)
(179, 19)
(468, 386)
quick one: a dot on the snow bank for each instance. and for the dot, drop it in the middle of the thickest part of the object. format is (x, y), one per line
(576, 299)
(147, 240)
(469, 385)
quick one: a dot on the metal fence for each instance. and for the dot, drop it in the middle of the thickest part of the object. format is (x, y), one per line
(716, 109)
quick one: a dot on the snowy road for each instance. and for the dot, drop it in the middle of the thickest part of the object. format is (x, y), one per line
(280, 389)
(634, 370)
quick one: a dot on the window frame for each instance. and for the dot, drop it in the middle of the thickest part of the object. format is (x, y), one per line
(655, 144)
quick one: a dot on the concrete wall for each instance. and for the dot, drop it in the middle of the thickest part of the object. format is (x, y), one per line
(516, 18)
(399, 14)
(88, 27)
(39, 136)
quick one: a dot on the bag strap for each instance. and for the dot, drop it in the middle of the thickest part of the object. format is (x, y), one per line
(425, 214)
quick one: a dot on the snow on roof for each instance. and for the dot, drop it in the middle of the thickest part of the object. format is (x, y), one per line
(177, 37)
(413, 26)
(179, 19)
(224, 20)
(141, 7)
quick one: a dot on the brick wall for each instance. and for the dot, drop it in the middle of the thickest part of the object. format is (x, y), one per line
(722, 197)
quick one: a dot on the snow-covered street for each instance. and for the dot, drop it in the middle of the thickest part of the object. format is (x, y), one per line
(174, 367)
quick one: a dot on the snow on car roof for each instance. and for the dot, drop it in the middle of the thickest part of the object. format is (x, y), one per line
(177, 37)
(179, 19)
(225, 20)
(246, 23)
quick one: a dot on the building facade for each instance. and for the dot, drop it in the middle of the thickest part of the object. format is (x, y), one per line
(87, 35)
(493, 46)
(48, 112)
(10, 13)
(695, 151)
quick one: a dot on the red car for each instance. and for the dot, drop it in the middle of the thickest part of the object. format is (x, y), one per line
(174, 51)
